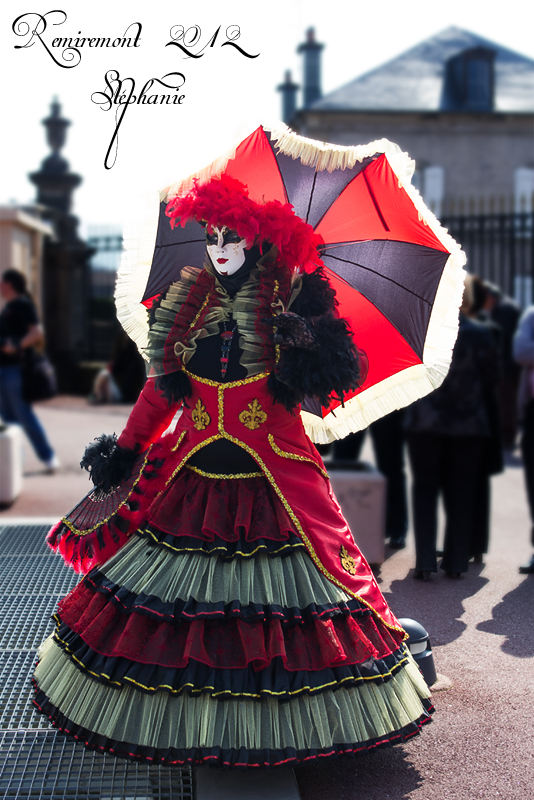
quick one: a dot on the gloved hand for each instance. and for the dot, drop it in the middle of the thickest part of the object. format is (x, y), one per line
(290, 330)
(107, 463)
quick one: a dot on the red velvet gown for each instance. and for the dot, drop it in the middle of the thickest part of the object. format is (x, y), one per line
(225, 616)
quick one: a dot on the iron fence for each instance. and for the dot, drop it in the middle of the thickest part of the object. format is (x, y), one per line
(499, 249)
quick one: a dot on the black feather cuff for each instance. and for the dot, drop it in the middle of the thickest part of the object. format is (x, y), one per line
(175, 387)
(316, 297)
(331, 370)
(107, 463)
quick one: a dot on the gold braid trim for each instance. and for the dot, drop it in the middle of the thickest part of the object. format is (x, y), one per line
(286, 454)
(231, 385)
(216, 476)
(79, 532)
(179, 442)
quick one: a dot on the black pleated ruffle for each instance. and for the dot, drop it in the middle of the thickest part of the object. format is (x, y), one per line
(221, 547)
(154, 607)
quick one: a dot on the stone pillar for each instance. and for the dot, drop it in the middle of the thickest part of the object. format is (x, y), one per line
(66, 271)
(288, 89)
(312, 67)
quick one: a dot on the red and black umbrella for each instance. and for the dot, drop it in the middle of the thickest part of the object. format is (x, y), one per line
(397, 273)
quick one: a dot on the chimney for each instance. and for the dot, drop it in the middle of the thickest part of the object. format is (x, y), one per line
(312, 67)
(289, 97)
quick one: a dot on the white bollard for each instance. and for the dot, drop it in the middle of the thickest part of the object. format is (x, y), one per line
(10, 463)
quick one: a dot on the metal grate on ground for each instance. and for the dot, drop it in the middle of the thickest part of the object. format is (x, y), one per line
(25, 622)
(45, 765)
(36, 762)
(32, 575)
(24, 540)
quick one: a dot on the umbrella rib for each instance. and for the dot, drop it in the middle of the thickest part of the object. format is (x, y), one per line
(311, 196)
(380, 275)
(375, 202)
(176, 244)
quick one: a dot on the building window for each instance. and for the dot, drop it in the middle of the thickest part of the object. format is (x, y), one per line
(469, 83)
(433, 188)
(523, 189)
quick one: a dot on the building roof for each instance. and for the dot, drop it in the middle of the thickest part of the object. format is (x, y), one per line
(414, 81)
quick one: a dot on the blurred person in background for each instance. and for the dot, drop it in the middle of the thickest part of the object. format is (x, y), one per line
(492, 462)
(123, 379)
(448, 433)
(504, 312)
(20, 329)
(523, 351)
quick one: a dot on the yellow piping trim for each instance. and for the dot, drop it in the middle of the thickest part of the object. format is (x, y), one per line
(194, 450)
(79, 532)
(148, 532)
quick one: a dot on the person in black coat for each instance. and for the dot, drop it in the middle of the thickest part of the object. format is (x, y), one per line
(448, 431)
(19, 330)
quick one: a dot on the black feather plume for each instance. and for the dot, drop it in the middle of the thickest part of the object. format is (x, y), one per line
(330, 370)
(107, 463)
(175, 387)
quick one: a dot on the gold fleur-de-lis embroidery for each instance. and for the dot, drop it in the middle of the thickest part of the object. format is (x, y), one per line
(254, 417)
(347, 562)
(201, 418)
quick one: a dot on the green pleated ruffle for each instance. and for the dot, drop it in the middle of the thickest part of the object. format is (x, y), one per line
(291, 582)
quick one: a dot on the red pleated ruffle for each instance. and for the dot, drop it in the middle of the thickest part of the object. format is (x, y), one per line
(232, 509)
(227, 643)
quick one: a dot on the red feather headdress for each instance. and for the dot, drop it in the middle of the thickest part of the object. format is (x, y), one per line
(224, 201)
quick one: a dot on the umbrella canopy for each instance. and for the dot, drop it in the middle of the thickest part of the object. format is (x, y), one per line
(397, 273)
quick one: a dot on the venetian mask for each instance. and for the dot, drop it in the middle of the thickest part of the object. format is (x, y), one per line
(226, 250)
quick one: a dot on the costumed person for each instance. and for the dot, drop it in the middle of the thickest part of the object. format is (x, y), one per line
(226, 615)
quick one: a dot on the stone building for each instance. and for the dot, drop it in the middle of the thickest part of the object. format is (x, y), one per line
(22, 237)
(460, 105)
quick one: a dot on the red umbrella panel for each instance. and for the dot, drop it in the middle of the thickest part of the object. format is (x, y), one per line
(397, 273)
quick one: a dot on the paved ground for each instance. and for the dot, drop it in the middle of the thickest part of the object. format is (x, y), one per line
(480, 743)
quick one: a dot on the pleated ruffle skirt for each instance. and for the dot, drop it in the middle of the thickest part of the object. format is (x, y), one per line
(211, 637)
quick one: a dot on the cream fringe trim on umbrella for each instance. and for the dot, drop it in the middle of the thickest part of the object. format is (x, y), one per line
(138, 251)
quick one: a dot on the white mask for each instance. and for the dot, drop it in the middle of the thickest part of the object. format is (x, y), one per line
(226, 250)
